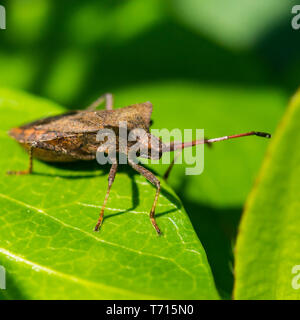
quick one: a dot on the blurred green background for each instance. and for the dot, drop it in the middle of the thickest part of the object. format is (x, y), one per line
(225, 66)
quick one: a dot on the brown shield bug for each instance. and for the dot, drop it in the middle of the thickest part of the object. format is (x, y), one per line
(73, 136)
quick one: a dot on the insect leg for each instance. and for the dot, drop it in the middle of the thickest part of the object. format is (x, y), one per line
(30, 167)
(111, 178)
(151, 178)
(109, 101)
(168, 171)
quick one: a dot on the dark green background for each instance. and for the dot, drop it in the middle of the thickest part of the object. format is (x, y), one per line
(185, 54)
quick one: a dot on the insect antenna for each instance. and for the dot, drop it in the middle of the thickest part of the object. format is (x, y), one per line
(176, 145)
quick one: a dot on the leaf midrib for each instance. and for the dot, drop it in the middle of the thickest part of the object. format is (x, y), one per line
(66, 276)
(41, 211)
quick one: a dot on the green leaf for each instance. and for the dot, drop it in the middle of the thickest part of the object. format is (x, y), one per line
(232, 23)
(47, 243)
(220, 110)
(267, 252)
(214, 199)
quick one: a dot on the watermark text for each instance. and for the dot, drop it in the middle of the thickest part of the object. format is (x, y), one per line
(2, 278)
(139, 145)
(296, 278)
(2, 18)
(296, 19)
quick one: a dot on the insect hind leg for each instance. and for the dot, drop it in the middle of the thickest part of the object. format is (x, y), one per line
(111, 178)
(109, 101)
(30, 166)
(151, 178)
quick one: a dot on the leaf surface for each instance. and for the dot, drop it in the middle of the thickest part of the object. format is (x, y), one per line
(214, 199)
(232, 24)
(267, 252)
(47, 243)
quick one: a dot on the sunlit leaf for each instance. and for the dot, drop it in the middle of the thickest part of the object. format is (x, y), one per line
(267, 252)
(47, 242)
(234, 23)
(214, 199)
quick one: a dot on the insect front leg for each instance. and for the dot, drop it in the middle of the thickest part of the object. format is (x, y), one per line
(30, 167)
(109, 102)
(168, 171)
(151, 178)
(111, 178)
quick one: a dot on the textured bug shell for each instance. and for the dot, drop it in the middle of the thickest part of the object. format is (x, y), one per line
(72, 136)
